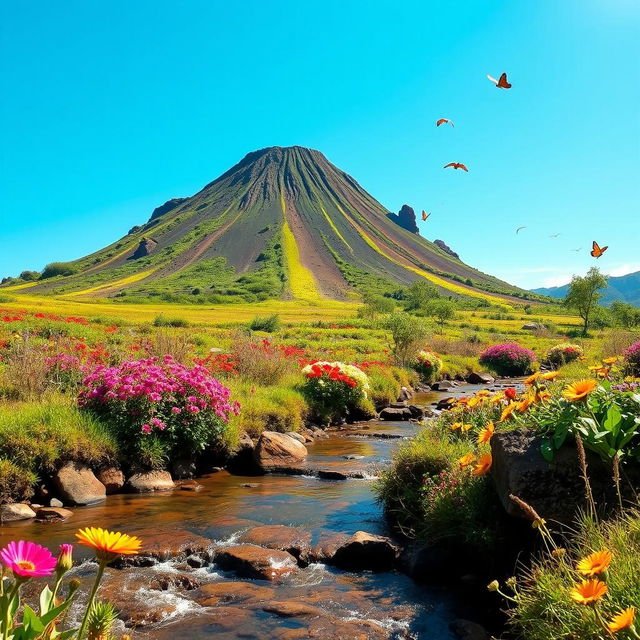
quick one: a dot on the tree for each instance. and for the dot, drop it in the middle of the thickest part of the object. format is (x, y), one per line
(407, 334)
(441, 309)
(625, 314)
(583, 294)
(374, 305)
(419, 293)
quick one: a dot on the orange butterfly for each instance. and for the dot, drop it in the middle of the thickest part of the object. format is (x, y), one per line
(596, 251)
(503, 83)
(444, 121)
(456, 165)
(425, 215)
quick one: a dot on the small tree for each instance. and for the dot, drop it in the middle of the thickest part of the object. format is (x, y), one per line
(375, 305)
(442, 310)
(407, 334)
(625, 314)
(419, 293)
(583, 294)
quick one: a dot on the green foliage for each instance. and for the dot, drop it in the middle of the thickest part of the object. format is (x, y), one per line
(16, 483)
(428, 365)
(625, 315)
(29, 276)
(441, 309)
(54, 269)
(268, 324)
(375, 305)
(419, 294)
(407, 333)
(583, 295)
(164, 321)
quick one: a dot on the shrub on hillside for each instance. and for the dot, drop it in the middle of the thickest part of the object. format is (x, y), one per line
(508, 359)
(268, 324)
(16, 483)
(163, 321)
(159, 408)
(54, 269)
(632, 359)
(428, 365)
(564, 353)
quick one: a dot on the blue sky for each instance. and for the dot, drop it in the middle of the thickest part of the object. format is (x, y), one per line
(110, 108)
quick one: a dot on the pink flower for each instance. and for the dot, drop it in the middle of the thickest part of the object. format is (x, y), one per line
(176, 410)
(27, 559)
(193, 409)
(146, 428)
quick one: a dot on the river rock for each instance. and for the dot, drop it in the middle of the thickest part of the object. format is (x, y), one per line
(395, 413)
(480, 378)
(296, 436)
(184, 468)
(366, 551)
(293, 540)
(467, 630)
(443, 385)
(445, 403)
(54, 502)
(243, 460)
(330, 474)
(112, 479)
(16, 511)
(292, 609)
(249, 561)
(416, 412)
(232, 592)
(148, 481)
(190, 485)
(51, 514)
(278, 450)
(77, 484)
(328, 543)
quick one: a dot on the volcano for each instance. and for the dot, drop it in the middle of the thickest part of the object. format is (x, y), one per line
(282, 223)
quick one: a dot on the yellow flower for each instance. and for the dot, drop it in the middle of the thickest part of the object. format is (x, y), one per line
(612, 360)
(525, 403)
(466, 427)
(455, 426)
(483, 393)
(108, 544)
(483, 465)
(531, 379)
(466, 460)
(474, 401)
(552, 375)
(486, 433)
(497, 398)
(507, 411)
(622, 620)
(579, 390)
(541, 396)
(588, 592)
(494, 585)
(595, 563)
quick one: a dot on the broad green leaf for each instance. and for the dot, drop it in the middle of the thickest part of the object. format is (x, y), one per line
(547, 450)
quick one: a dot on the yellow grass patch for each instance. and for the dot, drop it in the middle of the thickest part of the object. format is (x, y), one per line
(105, 286)
(335, 229)
(18, 287)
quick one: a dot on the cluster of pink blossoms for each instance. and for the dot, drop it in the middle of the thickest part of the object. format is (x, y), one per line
(165, 387)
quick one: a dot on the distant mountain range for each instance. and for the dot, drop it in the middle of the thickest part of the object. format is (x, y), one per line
(624, 288)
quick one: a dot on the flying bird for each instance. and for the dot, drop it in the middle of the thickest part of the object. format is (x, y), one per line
(425, 215)
(503, 83)
(519, 229)
(576, 250)
(596, 251)
(554, 235)
(444, 121)
(456, 165)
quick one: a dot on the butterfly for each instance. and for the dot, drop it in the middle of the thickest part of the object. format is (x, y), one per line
(456, 165)
(425, 215)
(596, 251)
(444, 121)
(502, 83)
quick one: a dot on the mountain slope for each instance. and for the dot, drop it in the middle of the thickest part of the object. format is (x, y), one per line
(624, 288)
(283, 222)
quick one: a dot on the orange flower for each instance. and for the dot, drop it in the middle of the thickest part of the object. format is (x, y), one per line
(552, 375)
(595, 563)
(486, 433)
(483, 465)
(455, 426)
(108, 544)
(507, 411)
(588, 592)
(622, 620)
(483, 393)
(466, 427)
(579, 390)
(541, 396)
(525, 403)
(466, 460)
(612, 360)
(474, 401)
(531, 379)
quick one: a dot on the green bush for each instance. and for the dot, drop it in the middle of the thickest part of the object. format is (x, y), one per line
(564, 353)
(16, 483)
(268, 324)
(54, 269)
(163, 321)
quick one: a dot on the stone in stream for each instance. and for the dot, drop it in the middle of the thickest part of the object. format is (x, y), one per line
(467, 630)
(296, 436)
(232, 592)
(329, 474)
(278, 450)
(416, 412)
(112, 478)
(190, 485)
(53, 514)
(149, 481)
(293, 540)
(329, 542)
(292, 609)
(366, 551)
(249, 561)
(443, 385)
(54, 502)
(480, 378)
(77, 484)
(395, 413)
(16, 511)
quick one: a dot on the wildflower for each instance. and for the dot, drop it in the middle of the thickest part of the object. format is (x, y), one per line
(108, 544)
(483, 465)
(510, 394)
(474, 401)
(65, 559)
(560, 552)
(27, 559)
(466, 427)
(525, 403)
(532, 378)
(612, 360)
(588, 592)
(595, 563)
(551, 375)
(494, 585)
(622, 620)
(507, 411)
(456, 426)
(486, 433)
(579, 390)
(466, 460)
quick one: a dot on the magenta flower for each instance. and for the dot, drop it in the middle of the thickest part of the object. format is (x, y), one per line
(27, 559)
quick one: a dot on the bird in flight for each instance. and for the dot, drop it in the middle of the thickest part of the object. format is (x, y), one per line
(444, 121)
(456, 165)
(554, 235)
(425, 215)
(576, 250)
(503, 83)
(596, 251)
(519, 229)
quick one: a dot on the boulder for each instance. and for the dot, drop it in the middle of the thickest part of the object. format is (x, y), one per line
(480, 377)
(148, 481)
(76, 484)
(249, 561)
(52, 514)
(54, 502)
(366, 551)
(278, 450)
(183, 469)
(190, 485)
(532, 326)
(232, 592)
(293, 540)
(329, 542)
(445, 403)
(416, 412)
(467, 630)
(296, 436)
(112, 479)
(405, 394)
(330, 474)
(395, 414)
(443, 385)
(405, 218)
(292, 609)
(16, 511)
(243, 460)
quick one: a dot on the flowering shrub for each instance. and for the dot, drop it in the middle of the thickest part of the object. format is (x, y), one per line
(632, 358)
(508, 359)
(159, 406)
(563, 353)
(428, 365)
(334, 389)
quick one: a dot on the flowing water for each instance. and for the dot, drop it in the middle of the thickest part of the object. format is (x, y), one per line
(167, 601)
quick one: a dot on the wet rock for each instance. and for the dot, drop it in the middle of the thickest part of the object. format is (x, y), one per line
(243, 460)
(250, 485)
(196, 562)
(112, 478)
(16, 511)
(366, 551)
(167, 545)
(296, 436)
(181, 469)
(54, 502)
(76, 484)
(319, 433)
(234, 592)
(445, 403)
(397, 414)
(292, 609)
(416, 412)
(170, 581)
(277, 449)
(443, 385)
(249, 561)
(52, 514)
(467, 630)
(148, 481)
(307, 434)
(293, 540)
(328, 474)
(480, 378)
(405, 394)
(329, 542)
(190, 485)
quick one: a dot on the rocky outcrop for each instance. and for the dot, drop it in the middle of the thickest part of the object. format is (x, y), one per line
(405, 218)
(249, 561)
(112, 479)
(366, 551)
(293, 540)
(148, 481)
(276, 450)
(396, 413)
(446, 248)
(146, 246)
(169, 205)
(77, 484)
(480, 378)
(16, 511)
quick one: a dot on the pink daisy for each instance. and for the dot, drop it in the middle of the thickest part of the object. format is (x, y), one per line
(27, 559)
